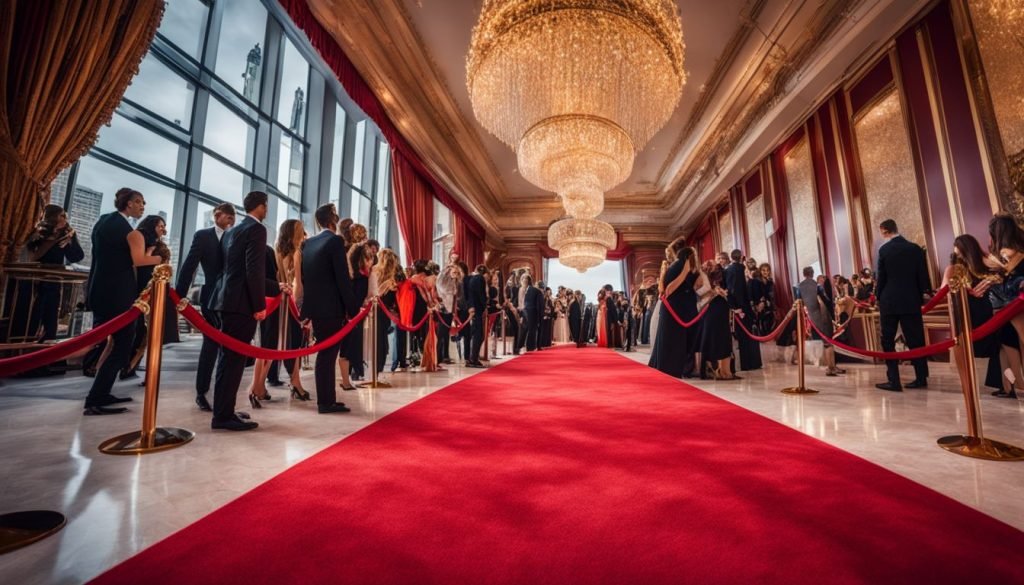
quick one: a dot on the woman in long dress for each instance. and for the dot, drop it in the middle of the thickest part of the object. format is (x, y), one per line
(288, 253)
(602, 331)
(716, 339)
(561, 321)
(384, 287)
(673, 351)
(426, 300)
(360, 260)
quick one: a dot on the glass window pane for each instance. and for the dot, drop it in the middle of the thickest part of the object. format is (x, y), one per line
(127, 139)
(362, 216)
(93, 196)
(229, 135)
(442, 219)
(59, 187)
(285, 211)
(184, 24)
(291, 109)
(800, 181)
(163, 92)
(360, 152)
(203, 212)
(888, 168)
(289, 167)
(240, 49)
(383, 191)
(221, 181)
(338, 160)
(755, 228)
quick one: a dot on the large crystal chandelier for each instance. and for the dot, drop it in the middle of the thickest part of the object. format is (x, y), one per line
(576, 87)
(581, 243)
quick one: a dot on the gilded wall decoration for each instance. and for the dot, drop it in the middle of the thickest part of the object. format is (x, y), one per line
(887, 167)
(755, 231)
(725, 243)
(800, 183)
(999, 28)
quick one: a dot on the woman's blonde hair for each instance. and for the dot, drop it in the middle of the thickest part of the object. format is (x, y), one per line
(387, 266)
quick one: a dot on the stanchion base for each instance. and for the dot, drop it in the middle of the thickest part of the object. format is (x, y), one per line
(164, 438)
(798, 390)
(19, 529)
(981, 448)
(377, 384)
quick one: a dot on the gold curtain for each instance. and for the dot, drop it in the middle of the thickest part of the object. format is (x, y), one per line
(64, 65)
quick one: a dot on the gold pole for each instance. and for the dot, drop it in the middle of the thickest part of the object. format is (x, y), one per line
(504, 339)
(151, 438)
(282, 322)
(973, 444)
(374, 383)
(801, 338)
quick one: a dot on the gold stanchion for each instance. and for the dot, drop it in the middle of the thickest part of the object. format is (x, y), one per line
(374, 382)
(974, 443)
(151, 438)
(801, 338)
(18, 529)
(504, 339)
(282, 321)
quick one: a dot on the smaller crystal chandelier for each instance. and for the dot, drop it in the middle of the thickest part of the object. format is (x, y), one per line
(581, 243)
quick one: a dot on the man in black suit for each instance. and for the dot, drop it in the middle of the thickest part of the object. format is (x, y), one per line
(476, 302)
(576, 319)
(240, 299)
(901, 283)
(328, 300)
(533, 309)
(111, 290)
(205, 251)
(611, 313)
(739, 301)
(512, 309)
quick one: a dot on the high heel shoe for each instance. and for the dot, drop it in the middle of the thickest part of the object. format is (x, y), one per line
(344, 387)
(254, 401)
(266, 395)
(299, 394)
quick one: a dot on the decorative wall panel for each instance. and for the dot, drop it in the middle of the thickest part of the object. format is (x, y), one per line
(888, 169)
(999, 26)
(800, 184)
(725, 232)
(755, 231)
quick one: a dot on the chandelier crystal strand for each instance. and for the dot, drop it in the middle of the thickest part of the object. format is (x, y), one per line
(581, 243)
(576, 87)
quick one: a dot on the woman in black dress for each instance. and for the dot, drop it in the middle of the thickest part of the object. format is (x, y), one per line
(359, 270)
(673, 349)
(54, 242)
(716, 338)
(153, 228)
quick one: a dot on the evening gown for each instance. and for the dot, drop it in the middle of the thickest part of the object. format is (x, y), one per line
(673, 344)
(602, 331)
(352, 345)
(716, 340)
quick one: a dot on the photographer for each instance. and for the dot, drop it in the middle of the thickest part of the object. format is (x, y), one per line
(52, 242)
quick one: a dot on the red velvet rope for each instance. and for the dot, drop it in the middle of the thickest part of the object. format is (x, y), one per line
(684, 324)
(398, 321)
(17, 364)
(762, 338)
(248, 350)
(939, 296)
(274, 302)
(915, 353)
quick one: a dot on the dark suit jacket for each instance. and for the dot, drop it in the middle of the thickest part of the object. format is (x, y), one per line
(575, 318)
(902, 277)
(205, 251)
(533, 303)
(112, 284)
(476, 293)
(736, 285)
(271, 285)
(326, 284)
(611, 310)
(242, 285)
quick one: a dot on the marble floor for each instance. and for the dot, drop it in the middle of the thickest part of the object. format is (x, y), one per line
(117, 506)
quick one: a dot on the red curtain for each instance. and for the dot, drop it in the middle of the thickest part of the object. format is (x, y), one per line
(777, 241)
(363, 96)
(414, 208)
(469, 246)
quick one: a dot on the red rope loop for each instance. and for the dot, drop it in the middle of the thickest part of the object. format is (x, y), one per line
(54, 353)
(771, 336)
(940, 295)
(684, 324)
(398, 320)
(935, 348)
(192, 316)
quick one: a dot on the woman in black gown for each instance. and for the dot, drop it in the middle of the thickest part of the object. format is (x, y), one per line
(359, 271)
(762, 298)
(716, 339)
(673, 346)
(153, 229)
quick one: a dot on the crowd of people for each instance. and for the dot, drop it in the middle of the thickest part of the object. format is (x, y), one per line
(717, 315)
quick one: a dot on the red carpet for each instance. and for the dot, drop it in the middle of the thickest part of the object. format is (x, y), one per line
(581, 466)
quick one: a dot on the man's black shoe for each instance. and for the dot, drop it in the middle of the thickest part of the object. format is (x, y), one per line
(233, 424)
(918, 384)
(111, 399)
(336, 407)
(889, 386)
(102, 410)
(203, 403)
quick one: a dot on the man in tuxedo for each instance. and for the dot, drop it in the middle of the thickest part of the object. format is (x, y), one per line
(533, 309)
(240, 299)
(205, 251)
(520, 300)
(739, 301)
(576, 319)
(328, 300)
(901, 283)
(476, 303)
(611, 313)
(112, 290)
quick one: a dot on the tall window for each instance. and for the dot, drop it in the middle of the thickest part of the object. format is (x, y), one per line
(444, 240)
(800, 180)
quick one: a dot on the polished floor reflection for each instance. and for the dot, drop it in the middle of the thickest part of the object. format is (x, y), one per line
(118, 505)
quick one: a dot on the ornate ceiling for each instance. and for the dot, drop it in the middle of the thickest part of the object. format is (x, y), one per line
(755, 69)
